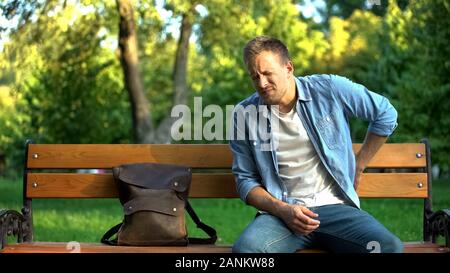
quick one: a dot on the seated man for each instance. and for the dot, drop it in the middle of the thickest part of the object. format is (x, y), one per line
(303, 176)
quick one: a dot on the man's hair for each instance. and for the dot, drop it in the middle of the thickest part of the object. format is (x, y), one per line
(265, 43)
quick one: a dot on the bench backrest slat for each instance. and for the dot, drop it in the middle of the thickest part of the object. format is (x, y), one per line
(51, 169)
(100, 156)
(214, 185)
(105, 156)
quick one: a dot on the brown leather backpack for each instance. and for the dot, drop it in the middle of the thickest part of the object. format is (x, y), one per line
(154, 197)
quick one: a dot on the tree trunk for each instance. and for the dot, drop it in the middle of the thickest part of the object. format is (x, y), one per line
(180, 69)
(180, 95)
(142, 123)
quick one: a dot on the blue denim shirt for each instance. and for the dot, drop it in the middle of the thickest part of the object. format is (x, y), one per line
(325, 104)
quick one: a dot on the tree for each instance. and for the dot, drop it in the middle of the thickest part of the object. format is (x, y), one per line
(70, 83)
(142, 124)
(422, 86)
(144, 129)
(344, 9)
(185, 9)
(65, 83)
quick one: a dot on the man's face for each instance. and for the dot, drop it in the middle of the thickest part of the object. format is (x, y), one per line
(270, 76)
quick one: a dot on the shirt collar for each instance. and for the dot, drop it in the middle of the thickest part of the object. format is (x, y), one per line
(302, 90)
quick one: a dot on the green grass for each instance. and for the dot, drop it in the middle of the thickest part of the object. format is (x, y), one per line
(85, 220)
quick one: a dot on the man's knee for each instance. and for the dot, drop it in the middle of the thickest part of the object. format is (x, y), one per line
(392, 244)
(385, 242)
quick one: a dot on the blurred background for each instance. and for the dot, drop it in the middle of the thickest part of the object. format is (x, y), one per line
(62, 81)
(110, 71)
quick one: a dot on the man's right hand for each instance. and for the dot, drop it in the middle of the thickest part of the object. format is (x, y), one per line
(299, 219)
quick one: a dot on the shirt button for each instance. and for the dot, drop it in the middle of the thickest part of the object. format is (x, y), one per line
(254, 143)
(328, 119)
(284, 193)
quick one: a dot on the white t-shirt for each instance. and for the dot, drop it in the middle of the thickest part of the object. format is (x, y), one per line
(307, 181)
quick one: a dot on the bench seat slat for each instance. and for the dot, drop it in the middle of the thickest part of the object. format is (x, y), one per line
(61, 247)
(105, 156)
(212, 185)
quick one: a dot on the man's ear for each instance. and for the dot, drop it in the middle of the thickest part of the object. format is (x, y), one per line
(290, 67)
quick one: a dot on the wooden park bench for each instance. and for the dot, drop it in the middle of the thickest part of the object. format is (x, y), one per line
(49, 173)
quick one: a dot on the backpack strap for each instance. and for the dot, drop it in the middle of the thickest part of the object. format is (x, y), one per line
(207, 229)
(106, 239)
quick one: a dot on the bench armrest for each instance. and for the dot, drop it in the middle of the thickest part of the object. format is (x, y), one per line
(439, 225)
(12, 223)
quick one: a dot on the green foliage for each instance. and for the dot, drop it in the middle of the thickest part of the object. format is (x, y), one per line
(416, 67)
(10, 131)
(61, 80)
(67, 88)
(157, 63)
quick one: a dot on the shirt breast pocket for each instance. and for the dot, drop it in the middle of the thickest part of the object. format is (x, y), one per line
(329, 131)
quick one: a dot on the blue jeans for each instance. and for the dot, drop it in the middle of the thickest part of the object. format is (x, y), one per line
(343, 229)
